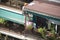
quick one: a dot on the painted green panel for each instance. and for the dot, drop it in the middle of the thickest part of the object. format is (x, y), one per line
(12, 16)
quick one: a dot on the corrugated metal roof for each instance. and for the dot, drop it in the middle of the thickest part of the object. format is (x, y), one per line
(46, 8)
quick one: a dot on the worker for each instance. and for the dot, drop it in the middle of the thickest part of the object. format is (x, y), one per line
(29, 25)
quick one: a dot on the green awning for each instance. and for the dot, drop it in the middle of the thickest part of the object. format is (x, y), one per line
(12, 16)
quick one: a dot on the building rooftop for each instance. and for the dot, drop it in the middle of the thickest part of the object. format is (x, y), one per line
(49, 8)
